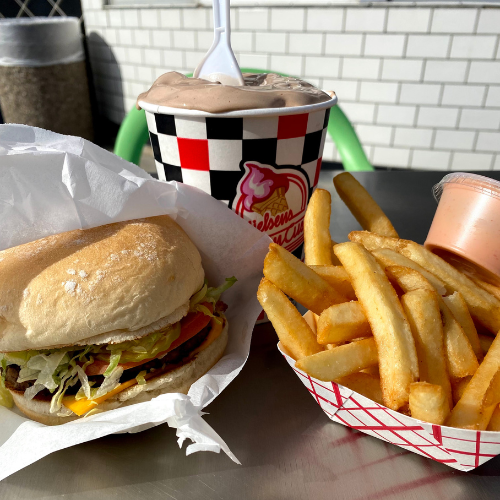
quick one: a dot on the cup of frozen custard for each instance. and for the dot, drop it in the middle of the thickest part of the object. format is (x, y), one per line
(465, 230)
(257, 148)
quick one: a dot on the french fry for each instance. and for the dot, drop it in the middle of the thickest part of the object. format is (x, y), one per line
(310, 318)
(387, 257)
(364, 208)
(494, 290)
(408, 279)
(298, 281)
(335, 261)
(483, 306)
(315, 329)
(428, 402)
(471, 412)
(485, 341)
(494, 424)
(492, 394)
(292, 329)
(372, 241)
(373, 371)
(459, 309)
(464, 420)
(422, 310)
(367, 385)
(338, 278)
(316, 317)
(341, 361)
(341, 323)
(460, 356)
(317, 240)
(459, 353)
(458, 388)
(387, 320)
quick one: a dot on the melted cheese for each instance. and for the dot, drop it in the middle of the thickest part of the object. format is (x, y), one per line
(215, 331)
(84, 405)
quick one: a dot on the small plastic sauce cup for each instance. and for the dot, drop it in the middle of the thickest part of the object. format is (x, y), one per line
(466, 227)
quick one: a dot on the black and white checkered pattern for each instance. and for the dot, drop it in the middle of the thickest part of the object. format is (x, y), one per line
(208, 152)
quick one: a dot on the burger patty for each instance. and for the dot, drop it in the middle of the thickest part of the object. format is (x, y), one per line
(172, 358)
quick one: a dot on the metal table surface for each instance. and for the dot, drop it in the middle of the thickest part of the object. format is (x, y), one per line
(288, 448)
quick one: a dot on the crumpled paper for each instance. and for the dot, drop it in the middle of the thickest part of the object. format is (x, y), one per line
(51, 183)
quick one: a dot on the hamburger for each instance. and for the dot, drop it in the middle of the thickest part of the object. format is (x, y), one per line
(94, 319)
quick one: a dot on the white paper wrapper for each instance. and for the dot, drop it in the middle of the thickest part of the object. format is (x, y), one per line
(50, 183)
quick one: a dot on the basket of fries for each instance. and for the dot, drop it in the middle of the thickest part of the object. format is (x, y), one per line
(390, 343)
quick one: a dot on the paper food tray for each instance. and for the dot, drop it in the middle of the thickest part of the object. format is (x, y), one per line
(461, 449)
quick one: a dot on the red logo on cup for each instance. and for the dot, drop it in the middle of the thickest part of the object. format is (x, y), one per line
(274, 200)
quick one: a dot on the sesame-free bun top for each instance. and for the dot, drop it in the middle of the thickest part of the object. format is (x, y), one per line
(116, 279)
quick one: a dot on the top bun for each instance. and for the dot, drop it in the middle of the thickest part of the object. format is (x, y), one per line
(73, 286)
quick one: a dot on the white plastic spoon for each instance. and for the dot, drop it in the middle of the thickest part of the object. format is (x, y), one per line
(219, 64)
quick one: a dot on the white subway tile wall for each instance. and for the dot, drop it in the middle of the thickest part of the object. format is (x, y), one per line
(421, 85)
(413, 137)
(344, 44)
(496, 165)
(392, 157)
(409, 20)
(428, 46)
(266, 42)
(463, 95)
(493, 99)
(379, 91)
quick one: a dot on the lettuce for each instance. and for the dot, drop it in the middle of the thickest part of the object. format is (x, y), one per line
(32, 391)
(140, 377)
(26, 374)
(5, 395)
(111, 382)
(92, 412)
(114, 359)
(19, 358)
(210, 295)
(65, 412)
(148, 347)
(43, 368)
(68, 380)
(198, 296)
(58, 369)
(84, 380)
(213, 294)
(6, 398)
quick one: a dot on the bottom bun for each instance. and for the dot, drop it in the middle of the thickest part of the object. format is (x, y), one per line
(177, 380)
(37, 410)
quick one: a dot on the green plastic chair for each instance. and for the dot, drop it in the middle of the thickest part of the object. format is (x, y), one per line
(133, 135)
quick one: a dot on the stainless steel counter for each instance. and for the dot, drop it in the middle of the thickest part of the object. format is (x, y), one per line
(288, 448)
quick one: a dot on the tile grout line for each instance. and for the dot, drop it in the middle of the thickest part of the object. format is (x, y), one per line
(450, 161)
(476, 22)
(474, 141)
(492, 163)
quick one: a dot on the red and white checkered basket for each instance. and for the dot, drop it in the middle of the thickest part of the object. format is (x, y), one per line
(459, 448)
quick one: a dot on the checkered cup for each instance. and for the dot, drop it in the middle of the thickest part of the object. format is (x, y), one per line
(262, 163)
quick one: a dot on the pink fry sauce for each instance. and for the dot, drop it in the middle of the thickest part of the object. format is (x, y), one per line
(466, 227)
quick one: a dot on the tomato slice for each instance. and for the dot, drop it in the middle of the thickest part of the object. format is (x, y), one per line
(191, 324)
